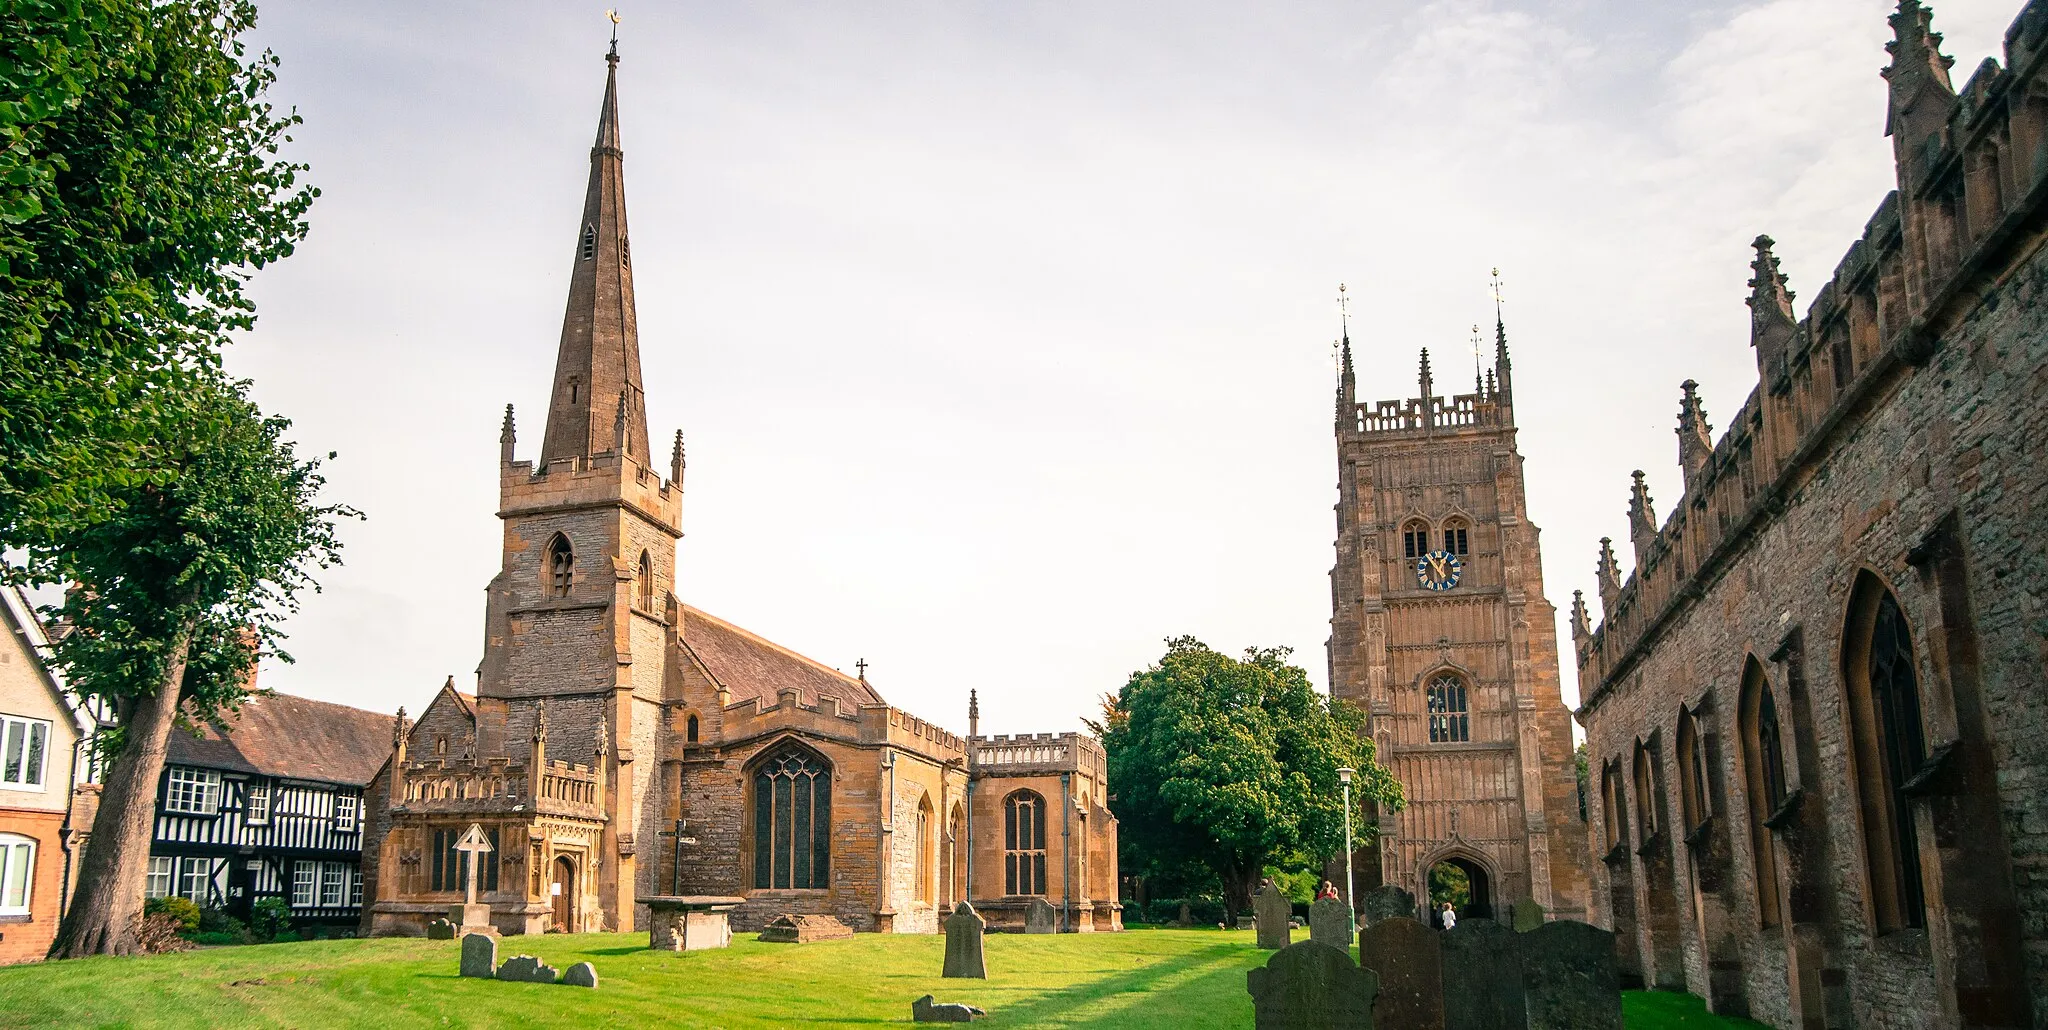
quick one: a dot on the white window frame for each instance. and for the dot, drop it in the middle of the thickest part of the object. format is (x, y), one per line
(333, 884)
(253, 812)
(347, 808)
(305, 879)
(31, 764)
(355, 887)
(195, 876)
(163, 875)
(190, 791)
(17, 874)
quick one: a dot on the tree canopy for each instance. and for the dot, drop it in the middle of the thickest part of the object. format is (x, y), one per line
(1230, 765)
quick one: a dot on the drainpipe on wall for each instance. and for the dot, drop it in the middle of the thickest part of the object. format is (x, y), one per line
(1066, 853)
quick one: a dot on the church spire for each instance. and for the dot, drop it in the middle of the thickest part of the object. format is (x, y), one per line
(1347, 379)
(599, 359)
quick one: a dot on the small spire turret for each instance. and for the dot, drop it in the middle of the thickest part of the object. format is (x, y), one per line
(1582, 624)
(1607, 575)
(1695, 436)
(1642, 517)
(1772, 325)
(619, 427)
(676, 464)
(1503, 368)
(973, 712)
(1428, 386)
(506, 436)
(1921, 93)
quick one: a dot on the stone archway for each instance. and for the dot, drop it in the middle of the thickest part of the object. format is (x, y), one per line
(1464, 882)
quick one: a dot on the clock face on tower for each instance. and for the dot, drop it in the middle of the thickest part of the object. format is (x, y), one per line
(1438, 570)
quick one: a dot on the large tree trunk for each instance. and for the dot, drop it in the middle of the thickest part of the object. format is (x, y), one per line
(103, 914)
(1239, 883)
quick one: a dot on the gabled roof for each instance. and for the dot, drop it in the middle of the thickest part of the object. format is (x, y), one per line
(751, 666)
(291, 737)
(19, 614)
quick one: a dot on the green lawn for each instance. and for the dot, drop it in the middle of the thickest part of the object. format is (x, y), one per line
(1142, 978)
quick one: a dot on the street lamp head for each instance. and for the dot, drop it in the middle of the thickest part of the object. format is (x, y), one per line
(1344, 775)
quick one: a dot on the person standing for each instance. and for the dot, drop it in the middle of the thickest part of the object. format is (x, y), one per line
(1450, 916)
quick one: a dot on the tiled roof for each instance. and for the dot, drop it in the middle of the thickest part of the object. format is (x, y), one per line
(753, 667)
(292, 737)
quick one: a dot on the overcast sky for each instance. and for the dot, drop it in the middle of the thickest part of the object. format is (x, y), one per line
(1001, 332)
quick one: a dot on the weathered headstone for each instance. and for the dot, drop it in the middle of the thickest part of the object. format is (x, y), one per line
(1569, 978)
(1247, 922)
(795, 929)
(1186, 919)
(479, 955)
(582, 974)
(1483, 977)
(925, 1010)
(1312, 986)
(1270, 912)
(440, 930)
(1528, 915)
(527, 969)
(1406, 955)
(1041, 917)
(1329, 922)
(963, 943)
(1387, 901)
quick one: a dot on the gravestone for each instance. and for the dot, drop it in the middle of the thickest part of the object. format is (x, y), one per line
(795, 929)
(527, 969)
(582, 974)
(479, 955)
(1387, 901)
(440, 930)
(1528, 915)
(925, 1010)
(1406, 955)
(1329, 922)
(1270, 912)
(1569, 978)
(1483, 977)
(1247, 923)
(1186, 919)
(963, 943)
(1312, 986)
(1041, 917)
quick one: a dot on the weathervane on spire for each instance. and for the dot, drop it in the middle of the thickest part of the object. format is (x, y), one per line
(1476, 373)
(1496, 294)
(614, 16)
(1344, 323)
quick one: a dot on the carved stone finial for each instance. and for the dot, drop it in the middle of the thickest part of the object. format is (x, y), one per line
(1695, 436)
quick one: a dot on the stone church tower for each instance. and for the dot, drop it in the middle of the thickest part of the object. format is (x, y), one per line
(1440, 632)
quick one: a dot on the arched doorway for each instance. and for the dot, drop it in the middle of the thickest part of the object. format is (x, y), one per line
(564, 891)
(1464, 884)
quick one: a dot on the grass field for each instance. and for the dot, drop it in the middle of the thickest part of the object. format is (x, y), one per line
(1139, 979)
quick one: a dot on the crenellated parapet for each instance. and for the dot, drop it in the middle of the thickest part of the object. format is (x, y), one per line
(1037, 753)
(1972, 174)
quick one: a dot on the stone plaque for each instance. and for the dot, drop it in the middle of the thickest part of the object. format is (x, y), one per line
(527, 969)
(479, 955)
(582, 974)
(1041, 917)
(1483, 977)
(1387, 901)
(1329, 922)
(1528, 915)
(1270, 913)
(1406, 955)
(963, 943)
(1312, 986)
(925, 1010)
(1569, 978)
(795, 929)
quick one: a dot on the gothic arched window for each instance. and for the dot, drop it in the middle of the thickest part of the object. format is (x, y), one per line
(1415, 539)
(1612, 804)
(690, 730)
(1647, 794)
(561, 566)
(646, 582)
(1024, 843)
(1692, 771)
(589, 242)
(1890, 745)
(1456, 538)
(923, 861)
(792, 820)
(1763, 765)
(1450, 721)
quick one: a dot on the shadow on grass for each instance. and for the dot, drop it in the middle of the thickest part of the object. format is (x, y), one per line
(1058, 1003)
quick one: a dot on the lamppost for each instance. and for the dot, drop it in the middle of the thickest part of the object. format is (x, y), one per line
(1350, 884)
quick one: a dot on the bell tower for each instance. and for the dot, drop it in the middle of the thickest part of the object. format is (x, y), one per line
(581, 617)
(1441, 634)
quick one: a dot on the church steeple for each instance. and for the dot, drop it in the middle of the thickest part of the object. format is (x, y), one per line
(597, 370)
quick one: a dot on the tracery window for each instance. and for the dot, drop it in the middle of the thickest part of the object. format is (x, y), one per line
(1763, 762)
(1450, 721)
(1456, 539)
(1646, 794)
(792, 820)
(1024, 843)
(924, 850)
(1884, 701)
(1415, 539)
(1692, 771)
(646, 582)
(561, 565)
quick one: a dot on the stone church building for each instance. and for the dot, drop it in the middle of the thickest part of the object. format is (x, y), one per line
(1814, 708)
(621, 744)
(1441, 634)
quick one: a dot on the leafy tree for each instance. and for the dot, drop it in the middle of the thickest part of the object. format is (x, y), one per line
(1449, 882)
(1231, 765)
(139, 184)
(178, 591)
